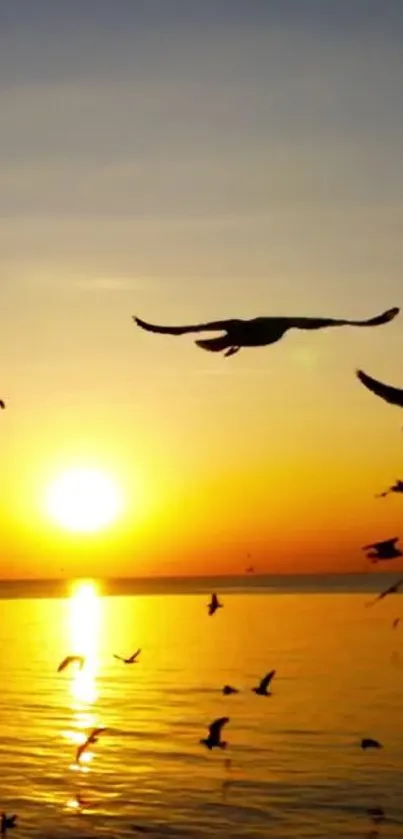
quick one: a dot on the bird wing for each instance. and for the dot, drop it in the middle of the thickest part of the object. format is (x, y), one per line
(390, 394)
(213, 326)
(95, 733)
(135, 655)
(216, 726)
(320, 323)
(82, 749)
(214, 600)
(65, 663)
(267, 679)
(119, 657)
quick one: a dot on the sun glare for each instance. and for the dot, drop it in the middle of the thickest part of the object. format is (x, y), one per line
(83, 500)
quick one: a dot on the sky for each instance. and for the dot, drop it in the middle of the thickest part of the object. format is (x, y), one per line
(186, 161)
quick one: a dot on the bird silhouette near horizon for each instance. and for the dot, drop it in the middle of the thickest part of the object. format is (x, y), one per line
(369, 743)
(71, 659)
(396, 487)
(92, 738)
(391, 590)
(7, 823)
(213, 741)
(228, 690)
(390, 394)
(384, 550)
(257, 332)
(131, 660)
(214, 604)
(261, 688)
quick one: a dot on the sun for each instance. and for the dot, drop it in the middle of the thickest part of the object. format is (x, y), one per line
(83, 500)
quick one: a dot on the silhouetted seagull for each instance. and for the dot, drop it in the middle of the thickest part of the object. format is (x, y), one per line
(2, 406)
(397, 487)
(391, 590)
(383, 550)
(214, 604)
(369, 743)
(390, 394)
(6, 823)
(227, 690)
(131, 660)
(261, 689)
(213, 741)
(71, 659)
(92, 738)
(257, 332)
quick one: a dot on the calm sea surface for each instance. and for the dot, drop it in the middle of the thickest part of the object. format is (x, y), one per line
(296, 768)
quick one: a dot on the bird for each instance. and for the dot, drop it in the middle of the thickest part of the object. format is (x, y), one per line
(397, 487)
(214, 737)
(2, 404)
(395, 623)
(383, 550)
(261, 688)
(393, 395)
(71, 659)
(391, 590)
(7, 822)
(214, 604)
(227, 690)
(369, 743)
(131, 660)
(257, 332)
(92, 738)
(250, 569)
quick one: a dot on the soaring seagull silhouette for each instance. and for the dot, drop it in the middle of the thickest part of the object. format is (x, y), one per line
(228, 690)
(131, 660)
(213, 741)
(397, 487)
(369, 743)
(92, 738)
(6, 823)
(391, 590)
(383, 550)
(214, 604)
(257, 332)
(71, 659)
(390, 394)
(261, 688)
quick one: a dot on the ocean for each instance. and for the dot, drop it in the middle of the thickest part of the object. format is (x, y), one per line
(293, 766)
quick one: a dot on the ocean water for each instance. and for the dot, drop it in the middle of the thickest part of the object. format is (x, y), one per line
(295, 770)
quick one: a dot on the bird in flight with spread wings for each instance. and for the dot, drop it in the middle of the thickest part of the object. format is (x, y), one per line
(257, 332)
(383, 550)
(92, 738)
(397, 487)
(261, 688)
(393, 395)
(131, 660)
(213, 741)
(71, 659)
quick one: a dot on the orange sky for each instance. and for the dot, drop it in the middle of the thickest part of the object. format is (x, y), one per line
(241, 162)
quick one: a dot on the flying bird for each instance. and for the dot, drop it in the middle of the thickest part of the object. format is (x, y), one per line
(397, 487)
(213, 741)
(71, 659)
(261, 688)
(214, 604)
(2, 404)
(6, 823)
(383, 550)
(391, 590)
(390, 394)
(228, 690)
(92, 738)
(131, 660)
(369, 743)
(257, 332)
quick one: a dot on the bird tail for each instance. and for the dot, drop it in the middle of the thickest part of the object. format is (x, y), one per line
(215, 344)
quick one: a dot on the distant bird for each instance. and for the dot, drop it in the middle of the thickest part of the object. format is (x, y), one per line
(131, 660)
(250, 569)
(71, 659)
(261, 688)
(377, 814)
(2, 406)
(92, 738)
(369, 743)
(390, 394)
(7, 823)
(213, 741)
(227, 690)
(383, 550)
(257, 332)
(395, 623)
(214, 604)
(391, 590)
(397, 487)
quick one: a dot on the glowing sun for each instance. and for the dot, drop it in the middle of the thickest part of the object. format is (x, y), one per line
(83, 500)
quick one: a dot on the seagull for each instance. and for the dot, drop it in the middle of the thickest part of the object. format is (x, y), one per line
(131, 660)
(227, 690)
(214, 737)
(71, 659)
(383, 550)
(261, 689)
(2, 406)
(6, 823)
(391, 590)
(368, 743)
(257, 332)
(397, 487)
(92, 738)
(214, 604)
